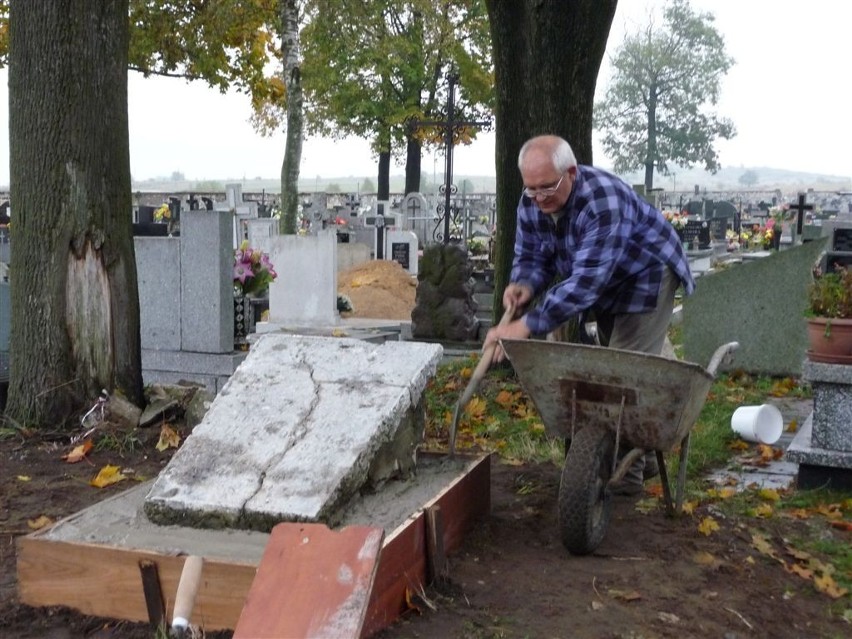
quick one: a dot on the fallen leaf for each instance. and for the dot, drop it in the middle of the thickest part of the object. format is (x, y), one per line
(646, 506)
(799, 569)
(668, 617)
(78, 453)
(793, 426)
(451, 385)
(801, 555)
(750, 560)
(655, 490)
(768, 494)
(763, 545)
(476, 408)
(168, 438)
(624, 595)
(722, 493)
(738, 444)
(689, 506)
(707, 526)
(23, 478)
(40, 522)
(338, 332)
(106, 476)
(466, 372)
(842, 525)
(704, 558)
(831, 511)
(764, 511)
(506, 399)
(798, 513)
(825, 584)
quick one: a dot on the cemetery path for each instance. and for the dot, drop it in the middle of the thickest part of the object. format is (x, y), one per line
(652, 576)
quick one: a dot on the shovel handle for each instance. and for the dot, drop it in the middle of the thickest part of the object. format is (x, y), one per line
(190, 580)
(484, 361)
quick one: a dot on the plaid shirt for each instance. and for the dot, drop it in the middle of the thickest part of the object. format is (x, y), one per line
(608, 248)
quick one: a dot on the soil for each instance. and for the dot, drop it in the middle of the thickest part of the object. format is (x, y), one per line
(378, 289)
(653, 576)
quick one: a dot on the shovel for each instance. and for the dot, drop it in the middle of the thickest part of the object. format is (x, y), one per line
(478, 374)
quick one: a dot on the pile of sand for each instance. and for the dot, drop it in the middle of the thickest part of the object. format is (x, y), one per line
(379, 289)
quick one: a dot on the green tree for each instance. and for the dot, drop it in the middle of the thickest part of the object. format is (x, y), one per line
(546, 61)
(367, 186)
(370, 68)
(75, 307)
(749, 178)
(655, 110)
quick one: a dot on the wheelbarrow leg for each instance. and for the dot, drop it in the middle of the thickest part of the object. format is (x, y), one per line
(681, 473)
(664, 480)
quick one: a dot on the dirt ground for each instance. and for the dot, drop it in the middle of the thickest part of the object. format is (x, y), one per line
(653, 576)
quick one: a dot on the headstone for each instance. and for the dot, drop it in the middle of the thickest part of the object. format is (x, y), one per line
(419, 216)
(696, 234)
(159, 283)
(823, 446)
(759, 304)
(402, 248)
(305, 292)
(145, 214)
(207, 283)
(302, 426)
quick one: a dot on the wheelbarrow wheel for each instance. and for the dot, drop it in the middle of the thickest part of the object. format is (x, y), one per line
(584, 501)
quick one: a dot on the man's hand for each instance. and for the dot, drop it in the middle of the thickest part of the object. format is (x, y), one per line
(513, 330)
(517, 296)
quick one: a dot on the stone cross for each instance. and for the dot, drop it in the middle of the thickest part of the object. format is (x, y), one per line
(451, 128)
(800, 207)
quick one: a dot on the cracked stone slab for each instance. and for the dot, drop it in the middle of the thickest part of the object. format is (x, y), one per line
(295, 432)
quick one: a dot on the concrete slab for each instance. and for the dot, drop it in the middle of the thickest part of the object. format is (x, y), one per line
(296, 432)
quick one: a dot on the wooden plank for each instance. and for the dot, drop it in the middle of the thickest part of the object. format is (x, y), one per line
(435, 544)
(403, 563)
(312, 582)
(104, 581)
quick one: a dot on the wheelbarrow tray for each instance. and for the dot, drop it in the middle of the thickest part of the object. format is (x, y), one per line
(585, 385)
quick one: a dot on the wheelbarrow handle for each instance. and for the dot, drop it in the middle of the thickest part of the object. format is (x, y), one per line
(722, 355)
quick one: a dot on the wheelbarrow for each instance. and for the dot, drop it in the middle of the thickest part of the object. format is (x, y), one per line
(604, 400)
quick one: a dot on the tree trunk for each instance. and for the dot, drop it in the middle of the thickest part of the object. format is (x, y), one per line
(652, 156)
(383, 190)
(289, 11)
(75, 305)
(412, 166)
(554, 51)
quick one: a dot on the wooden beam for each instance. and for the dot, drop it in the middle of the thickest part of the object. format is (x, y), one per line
(312, 582)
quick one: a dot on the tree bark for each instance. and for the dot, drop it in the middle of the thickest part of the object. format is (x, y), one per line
(546, 61)
(383, 190)
(412, 166)
(289, 12)
(75, 306)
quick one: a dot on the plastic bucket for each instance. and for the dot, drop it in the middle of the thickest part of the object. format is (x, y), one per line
(762, 424)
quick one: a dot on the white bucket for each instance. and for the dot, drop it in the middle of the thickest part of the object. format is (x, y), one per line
(762, 424)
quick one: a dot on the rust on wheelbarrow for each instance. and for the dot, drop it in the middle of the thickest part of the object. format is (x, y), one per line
(657, 399)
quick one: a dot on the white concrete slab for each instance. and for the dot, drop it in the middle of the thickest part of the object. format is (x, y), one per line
(293, 434)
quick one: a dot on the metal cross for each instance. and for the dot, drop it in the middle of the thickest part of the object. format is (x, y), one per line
(800, 209)
(450, 128)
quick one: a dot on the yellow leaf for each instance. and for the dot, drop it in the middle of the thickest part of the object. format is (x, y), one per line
(338, 332)
(707, 526)
(763, 545)
(106, 476)
(704, 558)
(78, 453)
(798, 513)
(738, 444)
(763, 510)
(825, 584)
(537, 427)
(689, 506)
(505, 398)
(23, 478)
(476, 408)
(466, 372)
(625, 595)
(801, 555)
(799, 569)
(793, 426)
(768, 494)
(168, 438)
(749, 559)
(40, 522)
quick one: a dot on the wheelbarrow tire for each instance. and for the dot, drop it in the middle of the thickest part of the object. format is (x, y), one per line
(584, 500)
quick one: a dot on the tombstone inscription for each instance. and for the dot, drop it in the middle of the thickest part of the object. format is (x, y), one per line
(696, 234)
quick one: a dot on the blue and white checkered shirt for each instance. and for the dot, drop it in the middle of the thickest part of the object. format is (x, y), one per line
(609, 249)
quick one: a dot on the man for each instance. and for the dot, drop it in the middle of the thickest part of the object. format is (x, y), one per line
(609, 251)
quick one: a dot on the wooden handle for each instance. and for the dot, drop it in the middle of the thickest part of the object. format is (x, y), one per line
(190, 580)
(484, 361)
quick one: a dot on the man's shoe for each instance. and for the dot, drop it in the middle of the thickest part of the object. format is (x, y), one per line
(651, 469)
(624, 487)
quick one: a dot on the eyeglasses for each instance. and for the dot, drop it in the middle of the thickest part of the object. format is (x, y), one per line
(545, 192)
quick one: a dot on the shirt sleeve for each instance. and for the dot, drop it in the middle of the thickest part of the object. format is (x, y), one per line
(602, 238)
(533, 263)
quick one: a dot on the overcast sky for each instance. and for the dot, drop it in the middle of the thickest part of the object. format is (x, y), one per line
(787, 95)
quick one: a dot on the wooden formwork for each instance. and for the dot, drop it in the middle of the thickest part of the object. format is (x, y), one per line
(104, 580)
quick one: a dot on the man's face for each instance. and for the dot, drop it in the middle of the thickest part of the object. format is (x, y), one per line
(548, 187)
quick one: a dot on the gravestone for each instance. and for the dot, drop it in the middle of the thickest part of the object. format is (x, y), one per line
(305, 292)
(696, 234)
(419, 217)
(823, 446)
(327, 417)
(186, 302)
(444, 306)
(402, 248)
(761, 305)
